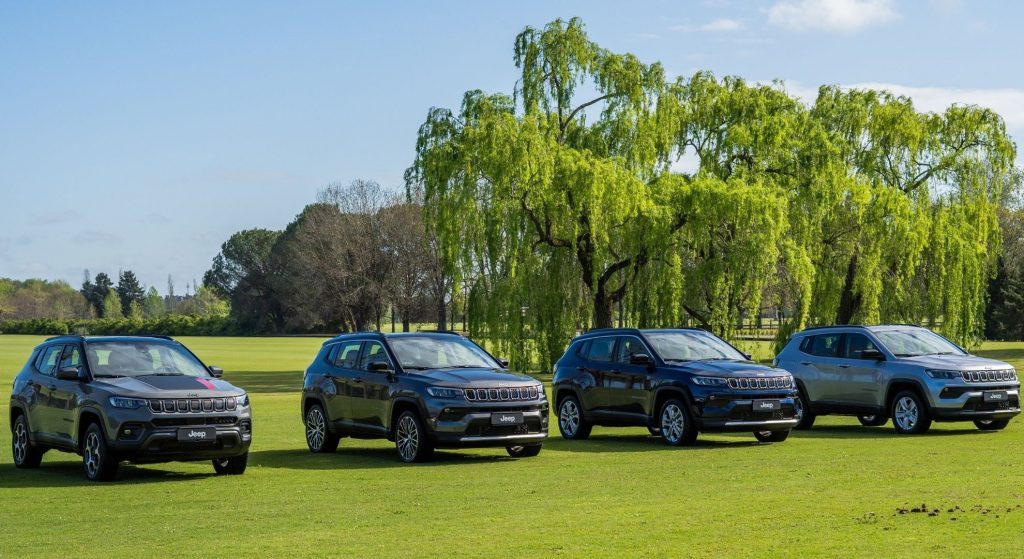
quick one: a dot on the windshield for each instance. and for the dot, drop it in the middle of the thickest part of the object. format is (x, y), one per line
(133, 359)
(692, 346)
(917, 341)
(422, 352)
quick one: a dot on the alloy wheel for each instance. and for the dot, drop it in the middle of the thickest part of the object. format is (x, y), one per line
(569, 418)
(408, 438)
(316, 429)
(20, 442)
(91, 454)
(673, 423)
(906, 413)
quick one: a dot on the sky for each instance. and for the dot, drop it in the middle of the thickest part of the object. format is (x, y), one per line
(141, 135)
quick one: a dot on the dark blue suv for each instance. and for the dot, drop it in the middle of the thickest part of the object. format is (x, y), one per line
(675, 382)
(422, 391)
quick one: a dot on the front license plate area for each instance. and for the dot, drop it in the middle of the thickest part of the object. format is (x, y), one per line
(507, 418)
(994, 396)
(197, 434)
(767, 406)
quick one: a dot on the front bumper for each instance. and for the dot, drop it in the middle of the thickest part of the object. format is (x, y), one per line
(966, 402)
(144, 437)
(733, 411)
(468, 424)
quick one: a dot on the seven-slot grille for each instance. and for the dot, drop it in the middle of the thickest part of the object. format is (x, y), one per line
(192, 405)
(989, 376)
(760, 383)
(501, 394)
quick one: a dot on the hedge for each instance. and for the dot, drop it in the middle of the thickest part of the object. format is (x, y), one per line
(171, 325)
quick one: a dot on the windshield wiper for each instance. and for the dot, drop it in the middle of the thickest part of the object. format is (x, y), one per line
(108, 376)
(415, 368)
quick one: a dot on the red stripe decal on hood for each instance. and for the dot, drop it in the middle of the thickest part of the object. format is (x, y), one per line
(209, 385)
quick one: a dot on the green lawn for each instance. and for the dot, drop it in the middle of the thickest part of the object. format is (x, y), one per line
(834, 491)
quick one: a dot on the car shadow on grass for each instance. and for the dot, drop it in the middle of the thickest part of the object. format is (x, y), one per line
(639, 443)
(859, 432)
(362, 458)
(69, 474)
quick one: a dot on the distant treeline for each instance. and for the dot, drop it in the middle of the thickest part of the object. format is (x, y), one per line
(171, 325)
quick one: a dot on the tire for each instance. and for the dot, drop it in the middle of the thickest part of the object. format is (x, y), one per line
(991, 424)
(654, 431)
(571, 423)
(99, 463)
(910, 413)
(26, 455)
(771, 436)
(318, 435)
(875, 420)
(677, 427)
(411, 440)
(805, 419)
(233, 466)
(523, 451)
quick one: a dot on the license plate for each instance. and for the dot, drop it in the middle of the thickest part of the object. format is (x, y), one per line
(197, 434)
(507, 418)
(994, 396)
(767, 406)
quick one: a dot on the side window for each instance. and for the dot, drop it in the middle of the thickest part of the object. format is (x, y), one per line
(855, 345)
(72, 357)
(601, 349)
(629, 346)
(582, 348)
(348, 355)
(825, 345)
(374, 354)
(48, 359)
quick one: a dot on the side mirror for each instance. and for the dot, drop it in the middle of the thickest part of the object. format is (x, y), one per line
(748, 356)
(640, 359)
(503, 363)
(69, 373)
(379, 366)
(872, 354)
(217, 372)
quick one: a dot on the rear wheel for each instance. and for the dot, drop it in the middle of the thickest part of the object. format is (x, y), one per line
(802, 412)
(99, 463)
(677, 428)
(771, 436)
(991, 424)
(318, 436)
(26, 454)
(571, 423)
(910, 414)
(875, 420)
(231, 466)
(523, 451)
(411, 440)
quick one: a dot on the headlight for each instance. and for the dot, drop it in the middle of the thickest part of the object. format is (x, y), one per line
(942, 374)
(540, 392)
(242, 401)
(128, 403)
(444, 392)
(710, 381)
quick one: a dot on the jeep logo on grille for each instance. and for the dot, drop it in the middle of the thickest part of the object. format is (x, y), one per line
(193, 434)
(507, 419)
(767, 405)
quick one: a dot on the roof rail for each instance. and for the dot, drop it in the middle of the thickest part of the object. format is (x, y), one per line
(76, 336)
(455, 332)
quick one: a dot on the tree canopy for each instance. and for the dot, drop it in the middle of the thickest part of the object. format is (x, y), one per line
(563, 206)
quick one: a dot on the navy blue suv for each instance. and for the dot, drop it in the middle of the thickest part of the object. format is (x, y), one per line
(675, 382)
(422, 391)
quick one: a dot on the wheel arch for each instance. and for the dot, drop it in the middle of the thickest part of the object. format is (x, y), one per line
(400, 406)
(664, 393)
(86, 417)
(896, 385)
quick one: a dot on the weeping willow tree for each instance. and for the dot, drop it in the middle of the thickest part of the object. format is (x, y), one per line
(558, 204)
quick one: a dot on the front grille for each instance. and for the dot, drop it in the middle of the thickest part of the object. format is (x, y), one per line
(501, 394)
(195, 405)
(760, 383)
(989, 376)
(182, 421)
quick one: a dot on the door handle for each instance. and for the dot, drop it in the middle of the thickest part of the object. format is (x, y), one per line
(52, 387)
(614, 371)
(807, 363)
(844, 366)
(357, 379)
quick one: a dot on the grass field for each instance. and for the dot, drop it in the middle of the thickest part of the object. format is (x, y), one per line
(836, 490)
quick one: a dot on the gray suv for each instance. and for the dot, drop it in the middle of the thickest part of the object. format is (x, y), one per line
(906, 373)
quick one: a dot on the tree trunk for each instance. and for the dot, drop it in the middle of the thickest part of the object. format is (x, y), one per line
(442, 313)
(602, 310)
(849, 302)
(405, 323)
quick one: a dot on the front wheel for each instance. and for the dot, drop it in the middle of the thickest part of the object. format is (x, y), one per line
(910, 414)
(802, 412)
(231, 466)
(411, 440)
(523, 451)
(771, 436)
(26, 454)
(677, 428)
(98, 461)
(571, 423)
(318, 436)
(875, 420)
(991, 424)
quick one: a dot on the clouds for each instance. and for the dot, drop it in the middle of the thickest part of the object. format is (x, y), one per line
(719, 25)
(831, 15)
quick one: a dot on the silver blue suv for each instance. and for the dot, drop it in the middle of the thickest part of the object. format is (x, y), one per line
(907, 373)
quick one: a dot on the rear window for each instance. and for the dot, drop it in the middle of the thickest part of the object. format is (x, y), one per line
(821, 345)
(601, 349)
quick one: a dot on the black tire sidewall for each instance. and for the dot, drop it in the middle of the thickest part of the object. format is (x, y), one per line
(923, 417)
(689, 434)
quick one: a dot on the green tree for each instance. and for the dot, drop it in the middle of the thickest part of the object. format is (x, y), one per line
(242, 274)
(129, 290)
(153, 304)
(112, 305)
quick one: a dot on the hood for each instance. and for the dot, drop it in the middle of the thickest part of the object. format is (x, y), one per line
(956, 362)
(477, 377)
(168, 387)
(736, 369)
